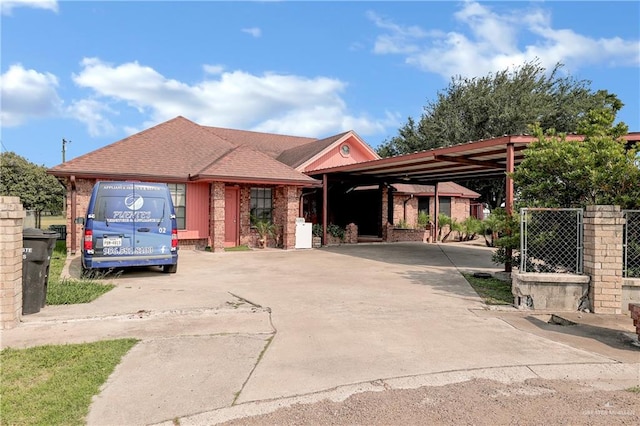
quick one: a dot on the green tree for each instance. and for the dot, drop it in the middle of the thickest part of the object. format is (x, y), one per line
(602, 169)
(37, 190)
(504, 103)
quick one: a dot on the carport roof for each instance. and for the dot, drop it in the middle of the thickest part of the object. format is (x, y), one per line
(473, 160)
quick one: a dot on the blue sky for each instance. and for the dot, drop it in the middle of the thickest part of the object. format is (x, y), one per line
(96, 72)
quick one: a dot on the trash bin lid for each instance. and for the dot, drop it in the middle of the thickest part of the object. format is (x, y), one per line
(38, 233)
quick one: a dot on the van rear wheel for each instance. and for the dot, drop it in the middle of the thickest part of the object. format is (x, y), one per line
(170, 269)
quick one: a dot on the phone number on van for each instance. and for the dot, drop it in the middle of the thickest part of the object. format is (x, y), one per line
(116, 251)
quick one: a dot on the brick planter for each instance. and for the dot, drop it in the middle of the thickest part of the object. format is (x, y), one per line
(634, 309)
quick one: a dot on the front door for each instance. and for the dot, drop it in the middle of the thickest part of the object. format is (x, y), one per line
(231, 218)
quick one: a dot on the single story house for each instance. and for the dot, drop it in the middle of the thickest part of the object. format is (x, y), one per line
(455, 201)
(223, 180)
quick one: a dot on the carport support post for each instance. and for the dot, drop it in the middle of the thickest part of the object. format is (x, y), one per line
(325, 191)
(509, 202)
(436, 209)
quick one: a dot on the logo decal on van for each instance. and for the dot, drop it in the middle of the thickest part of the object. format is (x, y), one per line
(134, 202)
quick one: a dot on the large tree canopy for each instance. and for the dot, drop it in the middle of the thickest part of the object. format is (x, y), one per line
(37, 190)
(602, 169)
(504, 103)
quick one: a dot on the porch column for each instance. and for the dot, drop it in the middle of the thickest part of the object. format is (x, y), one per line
(325, 193)
(216, 217)
(290, 206)
(436, 211)
(508, 265)
(384, 193)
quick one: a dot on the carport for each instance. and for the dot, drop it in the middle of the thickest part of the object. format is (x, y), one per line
(484, 159)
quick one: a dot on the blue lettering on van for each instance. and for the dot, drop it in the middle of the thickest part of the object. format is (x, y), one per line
(130, 216)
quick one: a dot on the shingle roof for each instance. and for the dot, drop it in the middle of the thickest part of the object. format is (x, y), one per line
(444, 189)
(242, 162)
(268, 143)
(173, 149)
(298, 155)
(181, 149)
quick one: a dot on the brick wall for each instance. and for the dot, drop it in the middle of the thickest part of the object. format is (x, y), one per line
(634, 309)
(216, 217)
(410, 208)
(351, 234)
(460, 208)
(84, 187)
(603, 233)
(286, 210)
(11, 219)
(399, 235)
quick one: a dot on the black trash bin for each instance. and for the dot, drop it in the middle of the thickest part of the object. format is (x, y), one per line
(37, 249)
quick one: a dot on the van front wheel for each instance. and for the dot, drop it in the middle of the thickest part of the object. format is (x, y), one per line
(170, 269)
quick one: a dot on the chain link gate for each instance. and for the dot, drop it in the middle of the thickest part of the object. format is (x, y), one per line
(631, 244)
(551, 240)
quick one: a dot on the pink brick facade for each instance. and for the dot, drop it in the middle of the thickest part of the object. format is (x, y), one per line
(286, 201)
(405, 208)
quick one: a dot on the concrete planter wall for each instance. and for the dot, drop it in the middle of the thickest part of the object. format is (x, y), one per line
(549, 291)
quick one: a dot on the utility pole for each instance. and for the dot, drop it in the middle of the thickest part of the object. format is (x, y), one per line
(64, 148)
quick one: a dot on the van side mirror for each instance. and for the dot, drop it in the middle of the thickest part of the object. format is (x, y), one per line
(79, 220)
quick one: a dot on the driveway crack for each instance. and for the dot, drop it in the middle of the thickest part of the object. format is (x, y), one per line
(264, 349)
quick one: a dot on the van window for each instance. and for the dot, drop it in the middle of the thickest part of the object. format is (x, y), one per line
(113, 209)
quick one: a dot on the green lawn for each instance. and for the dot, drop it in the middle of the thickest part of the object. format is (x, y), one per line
(492, 290)
(54, 384)
(68, 291)
(47, 221)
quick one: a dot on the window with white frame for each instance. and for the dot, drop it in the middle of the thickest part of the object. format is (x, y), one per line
(179, 198)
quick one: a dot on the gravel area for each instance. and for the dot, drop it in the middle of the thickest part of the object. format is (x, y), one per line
(477, 402)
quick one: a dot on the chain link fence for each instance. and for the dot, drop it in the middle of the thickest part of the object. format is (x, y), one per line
(631, 244)
(551, 240)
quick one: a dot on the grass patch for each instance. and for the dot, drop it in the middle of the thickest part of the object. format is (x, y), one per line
(68, 291)
(492, 290)
(237, 248)
(635, 389)
(46, 221)
(54, 384)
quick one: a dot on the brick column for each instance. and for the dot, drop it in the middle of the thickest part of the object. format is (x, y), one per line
(385, 207)
(11, 219)
(603, 233)
(286, 210)
(216, 217)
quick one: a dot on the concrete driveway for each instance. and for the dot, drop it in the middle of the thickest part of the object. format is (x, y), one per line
(235, 333)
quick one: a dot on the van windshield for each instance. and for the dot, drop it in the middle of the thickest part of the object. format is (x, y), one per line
(118, 209)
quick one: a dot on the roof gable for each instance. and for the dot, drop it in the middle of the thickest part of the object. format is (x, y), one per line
(244, 163)
(332, 155)
(294, 157)
(173, 149)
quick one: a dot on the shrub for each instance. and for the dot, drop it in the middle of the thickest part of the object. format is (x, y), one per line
(335, 231)
(423, 219)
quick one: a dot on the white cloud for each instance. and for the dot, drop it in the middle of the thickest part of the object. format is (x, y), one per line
(27, 93)
(269, 102)
(7, 6)
(213, 69)
(254, 31)
(493, 42)
(92, 113)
